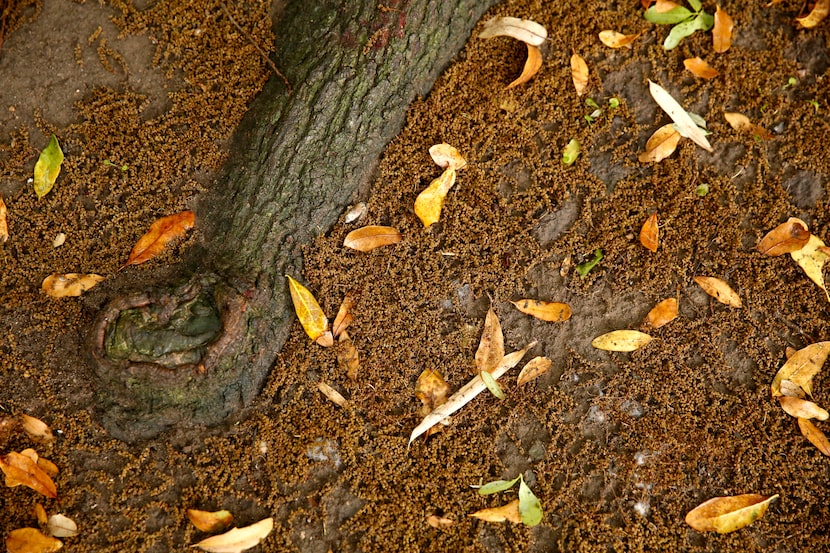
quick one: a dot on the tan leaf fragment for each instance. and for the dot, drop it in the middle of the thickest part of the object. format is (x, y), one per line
(802, 408)
(816, 15)
(791, 389)
(161, 232)
(31, 540)
(4, 225)
(439, 522)
(650, 234)
(662, 313)
(741, 123)
(579, 74)
(40, 514)
(368, 238)
(491, 347)
(344, 316)
(719, 290)
(21, 469)
(801, 367)
(525, 30)
(614, 39)
(535, 368)
(69, 284)
(785, 238)
(811, 259)
(816, 436)
(429, 202)
(210, 521)
(431, 389)
(333, 395)
(310, 314)
(722, 31)
(347, 356)
(509, 512)
(61, 526)
(532, 65)
(549, 311)
(730, 513)
(699, 68)
(686, 126)
(238, 539)
(661, 144)
(446, 156)
(621, 340)
(36, 429)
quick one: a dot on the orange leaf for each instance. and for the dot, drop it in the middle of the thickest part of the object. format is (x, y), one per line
(613, 39)
(491, 348)
(23, 470)
(650, 234)
(722, 31)
(785, 238)
(311, 315)
(211, 522)
(535, 368)
(31, 540)
(741, 123)
(662, 313)
(508, 512)
(579, 74)
(4, 227)
(553, 312)
(816, 436)
(727, 514)
(439, 522)
(532, 65)
(161, 232)
(700, 68)
(661, 145)
(802, 408)
(719, 290)
(344, 316)
(347, 357)
(816, 15)
(368, 238)
(70, 284)
(663, 6)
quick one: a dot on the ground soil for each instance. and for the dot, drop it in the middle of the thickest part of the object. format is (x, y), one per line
(618, 447)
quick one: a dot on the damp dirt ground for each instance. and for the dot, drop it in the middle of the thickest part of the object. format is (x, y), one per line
(618, 447)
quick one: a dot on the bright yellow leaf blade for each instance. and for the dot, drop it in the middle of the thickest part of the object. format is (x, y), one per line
(491, 347)
(730, 513)
(811, 259)
(238, 539)
(549, 311)
(532, 65)
(579, 74)
(509, 512)
(429, 203)
(621, 340)
(70, 284)
(368, 238)
(660, 145)
(309, 312)
(801, 367)
(210, 521)
(719, 290)
(48, 167)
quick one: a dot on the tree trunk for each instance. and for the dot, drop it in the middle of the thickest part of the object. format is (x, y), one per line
(196, 352)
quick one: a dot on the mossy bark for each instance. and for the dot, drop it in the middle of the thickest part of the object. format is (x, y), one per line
(299, 159)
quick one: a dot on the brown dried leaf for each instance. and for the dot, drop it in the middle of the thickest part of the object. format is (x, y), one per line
(722, 31)
(432, 390)
(661, 144)
(371, 237)
(662, 313)
(785, 238)
(553, 312)
(61, 526)
(700, 68)
(347, 357)
(650, 233)
(579, 74)
(811, 258)
(509, 512)
(4, 226)
(816, 15)
(333, 395)
(532, 65)
(741, 123)
(47, 466)
(614, 39)
(535, 368)
(429, 202)
(309, 312)
(621, 340)
(727, 514)
(816, 436)
(70, 284)
(801, 367)
(22, 470)
(446, 156)
(211, 522)
(36, 429)
(439, 522)
(491, 348)
(802, 408)
(238, 539)
(31, 540)
(719, 290)
(160, 234)
(344, 316)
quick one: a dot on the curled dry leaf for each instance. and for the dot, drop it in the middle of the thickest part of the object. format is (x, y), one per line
(48, 167)
(371, 237)
(816, 436)
(535, 368)
(802, 408)
(741, 123)
(344, 316)
(355, 212)
(722, 31)
(614, 39)
(621, 340)
(816, 15)
(686, 126)
(31, 540)
(429, 202)
(719, 290)
(532, 65)
(447, 157)
(311, 315)
(4, 225)
(661, 144)
(70, 284)
(785, 238)
(579, 74)
(160, 234)
(700, 68)
(550, 311)
(650, 233)
(61, 526)
(525, 30)
(801, 367)
(211, 522)
(333, 395)
(439, 522)
(491, 348)
(811, 259)
(662, 313)
(36, 429)
(509, 512)
(727, 514)
(238, 539)
(347, 357)
(23, 470)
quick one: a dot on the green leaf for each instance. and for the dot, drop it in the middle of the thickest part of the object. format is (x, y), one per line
(491, 384)
(497, 486)
(530, 508)
(591, 103)
(671, 17)
(696, 5)
(48, 167)
(703, 22)
(584, 268)
(571, 152)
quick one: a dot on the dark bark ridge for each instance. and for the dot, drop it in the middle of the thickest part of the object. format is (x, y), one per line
(298, 160)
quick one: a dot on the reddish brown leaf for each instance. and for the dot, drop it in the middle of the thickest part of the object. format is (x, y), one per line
(650, 234)
(700, 68)
(22, 470)
(722, 31)
(344, 317)
(160, 234)
(816, 436)
(785, 238)
(207, 521)
(347, 357)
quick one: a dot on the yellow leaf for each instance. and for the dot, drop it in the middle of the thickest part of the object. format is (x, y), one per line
(816, 15)
(811, 259)
(36, 429)
(48, 167)
(545, 310)
(614, 39)
(579, 74)
(61, 526)
(21, 469)
(509, 512)
(31, 540)
(816, 436)
(311, 316)
(741, 123)
(368, 238)
(802, 408)
(347, 357)
(662, 313)
(333, 395)
(4, 226)
(446, 156)
(722, 31)
(161, 232)
(727, 514)
(344, 316)
(428, 204)
(621, 340)
(801, 367)
(70, 284)
(785, 238)
(700, 68)
(211, 522)
(535, 368)
(650, 233)
(661, 144)
(238, 539)
(525, 30)
(491, 348)
(532, 66)
(719, 290)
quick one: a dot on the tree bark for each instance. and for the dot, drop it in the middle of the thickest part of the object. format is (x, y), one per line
(197, 351)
